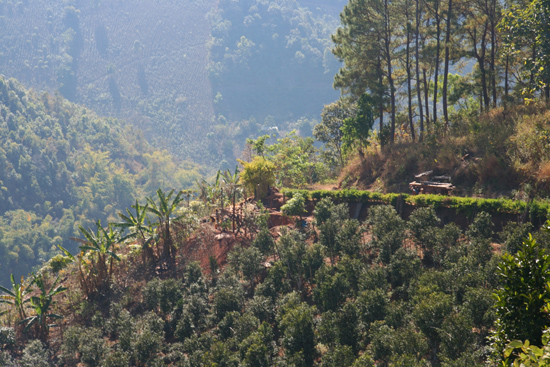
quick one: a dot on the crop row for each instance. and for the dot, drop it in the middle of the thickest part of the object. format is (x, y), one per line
(466, 205)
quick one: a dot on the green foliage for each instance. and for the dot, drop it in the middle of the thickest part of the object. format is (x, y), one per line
(258, 175)
(527, 354)
(388, 231)
(329, 130)
(95, 260)
(87, 342)
(296, 323)
(42, 306)
(63, 166)
(164, 210)
(356, 130)
(423, 223)
(296, 206)
(514, 234)
(525, 30)
(522, 296)
(35, 354)
(538, 209)
(17, 296)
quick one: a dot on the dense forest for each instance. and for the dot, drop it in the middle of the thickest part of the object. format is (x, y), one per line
(62, 166)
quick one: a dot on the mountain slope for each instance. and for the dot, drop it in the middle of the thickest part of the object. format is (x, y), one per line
(154, 62)
(62, 166)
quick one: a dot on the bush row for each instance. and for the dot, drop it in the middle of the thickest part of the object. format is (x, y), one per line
(537, 209)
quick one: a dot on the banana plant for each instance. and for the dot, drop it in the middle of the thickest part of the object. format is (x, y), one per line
(17, 296)
(41, 305)
(210, 193)
(233, 188)
(140, 229)
(164, 210)
(100, 247)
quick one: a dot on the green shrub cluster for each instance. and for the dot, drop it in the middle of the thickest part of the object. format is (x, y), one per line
(537, 210)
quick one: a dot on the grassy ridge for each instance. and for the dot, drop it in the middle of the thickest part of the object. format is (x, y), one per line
(538, 209)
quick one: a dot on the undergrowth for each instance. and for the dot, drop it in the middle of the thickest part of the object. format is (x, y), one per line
(498, 153)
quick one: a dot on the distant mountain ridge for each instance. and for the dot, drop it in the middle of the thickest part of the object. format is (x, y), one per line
(150, 62)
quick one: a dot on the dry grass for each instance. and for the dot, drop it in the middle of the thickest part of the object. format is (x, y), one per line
(491, 154)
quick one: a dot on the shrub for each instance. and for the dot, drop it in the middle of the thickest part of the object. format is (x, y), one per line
(35, 354)
(295, 206)
(258, 175)
(388, 231)
(7, 337)
(92, 347)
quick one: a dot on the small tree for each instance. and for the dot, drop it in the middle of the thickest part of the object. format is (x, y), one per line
(295, 207)
(522, 297)
(356, 130)
(96, 258)
(329, 131)
(164, 210)
(17, 296)
(138, 229)
(42, 305)
(258, 175)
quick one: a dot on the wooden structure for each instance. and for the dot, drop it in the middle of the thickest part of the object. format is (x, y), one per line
(426, 184)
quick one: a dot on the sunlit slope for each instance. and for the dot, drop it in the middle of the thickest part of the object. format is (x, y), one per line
(62, 166)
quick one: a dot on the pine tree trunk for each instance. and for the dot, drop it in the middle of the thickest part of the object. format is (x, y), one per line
(408, 66)
(387, 41)
(426, 98)
(381, 88)
(506, 82)
(493, 56)
(436, 66)
(417, 69)
(447, 57)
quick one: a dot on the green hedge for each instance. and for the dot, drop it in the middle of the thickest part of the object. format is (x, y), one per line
(465, 205)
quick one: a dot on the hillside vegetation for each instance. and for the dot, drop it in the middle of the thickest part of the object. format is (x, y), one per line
(499, 153)
(175, 68)
(62, 166)
(336, 292)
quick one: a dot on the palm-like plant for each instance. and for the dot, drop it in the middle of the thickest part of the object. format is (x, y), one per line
(41, 305)
(164, 210)
(17, 296)
(139, 228)
(96, 276)
(232, 187)
(210, 193)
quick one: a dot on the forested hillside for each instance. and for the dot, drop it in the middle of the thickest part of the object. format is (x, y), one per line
(62, 166)
(239, 273)
(271, 59)
(154, 64)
